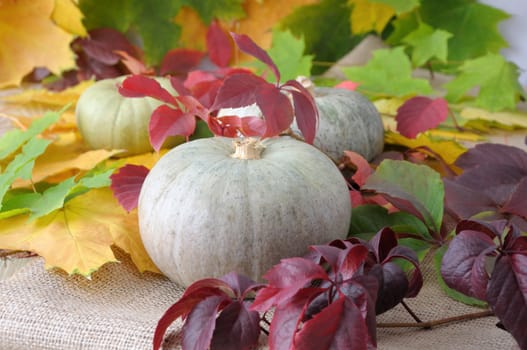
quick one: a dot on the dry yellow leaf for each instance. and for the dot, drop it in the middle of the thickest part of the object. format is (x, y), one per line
(68, 16)
(78, 238)
(367, 16)
(449, 150)
(29, 39)
(510, 119)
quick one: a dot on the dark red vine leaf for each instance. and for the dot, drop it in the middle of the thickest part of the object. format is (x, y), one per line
(199, 325)
(167, 121)
(236, 328)
(141, 86)
(238, 90)
(507, 294)
(126, 184)
(276, 109)
(419, 114)
(351, 261)
(248, 46)
(219, 45)
(180, 61)
(338, 326)
(306, 111)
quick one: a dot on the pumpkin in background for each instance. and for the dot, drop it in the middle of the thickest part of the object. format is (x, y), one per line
(108, 120)
(212, 206)
(348, 121)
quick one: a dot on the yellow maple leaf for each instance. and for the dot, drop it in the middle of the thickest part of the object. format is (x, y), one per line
(68, 16)
(505, 120)
(367, 16)
(29, 39)
(449, 150)
(78, 237)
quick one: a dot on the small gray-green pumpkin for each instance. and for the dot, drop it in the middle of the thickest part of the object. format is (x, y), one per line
(108, 120)
(211, 206)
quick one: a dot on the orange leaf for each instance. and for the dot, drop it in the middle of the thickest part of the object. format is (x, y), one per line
(29, 39)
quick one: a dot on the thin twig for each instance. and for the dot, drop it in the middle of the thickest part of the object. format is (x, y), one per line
(410, 311)
(434, 323)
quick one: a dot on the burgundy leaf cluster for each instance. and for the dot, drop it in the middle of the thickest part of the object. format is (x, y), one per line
(494, 181)
(203, 93)
(488, 261)
(327, 299)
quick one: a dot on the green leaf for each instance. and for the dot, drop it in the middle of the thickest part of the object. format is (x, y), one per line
(421, 248)
(202, 131)
(402, 26)
(150, 20)
(399, 6)
(370, 218)
(417, 185)
(325, 27)
(22, 165)
(428, 43)
(227, 10)
(287, 52)
(388, 73)
(51, 199)
(474, 26)
(13, 139)
(497, 80)
(454, 294)
(17, 202)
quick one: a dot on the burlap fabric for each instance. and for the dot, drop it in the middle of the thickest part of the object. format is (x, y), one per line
(119, 308)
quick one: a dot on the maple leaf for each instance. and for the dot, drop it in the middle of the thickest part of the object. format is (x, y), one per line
(368, 15)
(497, 80)
(428, 43)
(400, 6)
(30, 39)
(84, 229)
(388, 73)
(419, 114)
(67, 15)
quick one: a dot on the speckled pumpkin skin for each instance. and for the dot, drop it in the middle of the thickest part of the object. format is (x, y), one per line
(203, 213)
(108, 120)
(348, 122)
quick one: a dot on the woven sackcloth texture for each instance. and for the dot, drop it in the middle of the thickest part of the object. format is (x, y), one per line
(119, 308)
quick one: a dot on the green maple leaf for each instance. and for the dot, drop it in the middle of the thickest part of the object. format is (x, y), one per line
(474, 26)
(326, 29)
(399, 6)
(496, 78)
(388, 73)
(402, 26)
(428, 43)
(287, 52)
(221, 9)
(150, 20)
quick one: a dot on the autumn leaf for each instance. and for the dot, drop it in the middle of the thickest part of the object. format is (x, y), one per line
(400, 6)
(419, 114)
(67, 15)
(78, 237)
(368, 15)
(29, 39)
(428, 43)
(515, 119)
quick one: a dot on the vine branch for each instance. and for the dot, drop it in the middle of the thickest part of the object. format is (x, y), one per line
(435, 323)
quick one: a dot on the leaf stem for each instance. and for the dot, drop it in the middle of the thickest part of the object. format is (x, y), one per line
(411, 312)
(434, 323)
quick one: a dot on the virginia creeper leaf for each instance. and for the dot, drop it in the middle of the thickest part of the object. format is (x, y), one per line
(126, 185)
(419, 114)
(287, 52)
(199, 325)
(420, 185)
(236, 328)
(238, 90)
(276, 109)
(496, 78)
(141, 86)
(180, 61)
(306, 110)
(248, 46)
(388, 73)
(428, 43)
(167, 121)
(219, 45)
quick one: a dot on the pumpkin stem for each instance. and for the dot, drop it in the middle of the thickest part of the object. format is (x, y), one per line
(247, 148)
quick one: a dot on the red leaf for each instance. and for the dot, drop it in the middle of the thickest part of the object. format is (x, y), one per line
(348, 85)
(517, 203)
(364, 169)
(328, 253)
(194, 294)
(507, 295)
(253, 126)
(167, 121)
(338, 326)
(99, 51)
(285, 280)
(419, 114)
(238, 90)
(200, 323)
(179, 86)
(141, 86)
(383, 242)
(276, 109)
(219, 45)
(134, 65)
(239, 283)
(306, 113)
(351, 260)
(206, 91)
(248, 46)
(126, 184)
(236, 328)
(196, 77)
(180, 61)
